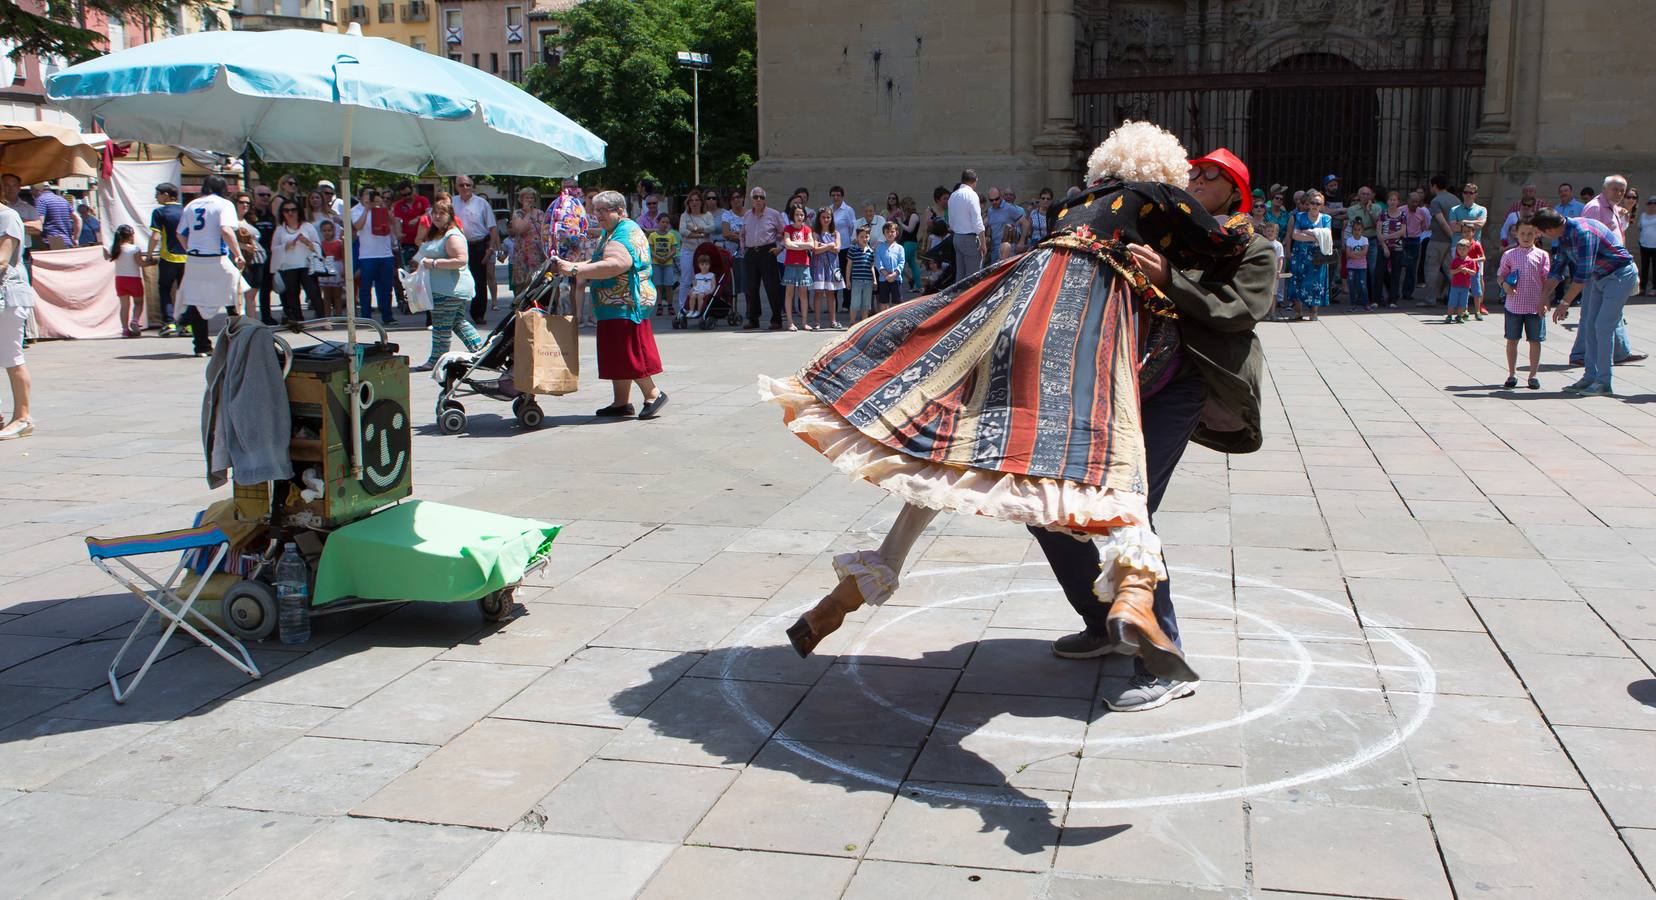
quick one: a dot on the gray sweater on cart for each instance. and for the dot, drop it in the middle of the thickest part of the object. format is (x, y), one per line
(245, 425)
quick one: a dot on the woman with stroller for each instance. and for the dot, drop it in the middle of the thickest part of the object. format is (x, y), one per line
(444, 256)
(623, 297)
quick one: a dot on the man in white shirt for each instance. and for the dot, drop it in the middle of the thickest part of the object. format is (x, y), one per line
(482, 231)
(971, 243)
(212, 261)
(845, 225)
(376, 230)
(337, 204)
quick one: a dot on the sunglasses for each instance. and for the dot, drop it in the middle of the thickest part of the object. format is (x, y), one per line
(1206, 173)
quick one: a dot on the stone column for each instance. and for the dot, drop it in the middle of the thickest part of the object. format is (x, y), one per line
(1059, 145)
(1513, 36)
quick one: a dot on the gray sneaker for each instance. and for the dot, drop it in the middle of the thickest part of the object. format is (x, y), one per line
(1143, 692)
(1083, 645)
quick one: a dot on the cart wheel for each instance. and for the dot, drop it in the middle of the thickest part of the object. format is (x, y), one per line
(452, 421)
(707, 323)
(498, 606)
(530, 416)
(250, 610)
(517, 404)
(733, 319)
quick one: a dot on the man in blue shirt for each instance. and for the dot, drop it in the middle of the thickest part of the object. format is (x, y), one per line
(1602, 274)
(58, 224)
(1000, 215)
(1568, 206)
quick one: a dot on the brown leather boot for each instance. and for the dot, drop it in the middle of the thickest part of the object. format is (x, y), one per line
(826, 617)
(1132, 625)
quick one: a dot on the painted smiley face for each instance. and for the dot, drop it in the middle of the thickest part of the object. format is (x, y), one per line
(385, 444)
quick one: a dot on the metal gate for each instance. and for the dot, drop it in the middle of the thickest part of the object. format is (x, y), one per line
(1311, 115)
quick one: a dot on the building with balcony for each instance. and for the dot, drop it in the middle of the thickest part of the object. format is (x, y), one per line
(409, 22)
(274, 15)
(501, 37)
(23, 80)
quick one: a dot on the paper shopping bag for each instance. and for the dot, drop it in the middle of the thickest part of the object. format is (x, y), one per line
(545, 353)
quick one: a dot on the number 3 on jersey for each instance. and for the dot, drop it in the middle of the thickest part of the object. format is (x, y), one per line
(199, 223)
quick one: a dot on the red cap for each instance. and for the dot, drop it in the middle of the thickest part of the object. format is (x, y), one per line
(1234, 169)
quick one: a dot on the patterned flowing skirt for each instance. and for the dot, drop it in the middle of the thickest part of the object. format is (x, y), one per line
(1309, 281)
(1013, 394)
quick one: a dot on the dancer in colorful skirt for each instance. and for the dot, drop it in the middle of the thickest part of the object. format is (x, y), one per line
(1015, 393)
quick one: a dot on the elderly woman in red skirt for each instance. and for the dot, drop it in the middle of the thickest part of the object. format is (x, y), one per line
(622, 298)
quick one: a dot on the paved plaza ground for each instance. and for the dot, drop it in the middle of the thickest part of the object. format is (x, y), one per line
(1425, 614)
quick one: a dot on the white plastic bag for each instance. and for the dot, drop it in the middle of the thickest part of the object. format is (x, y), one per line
(417, 288)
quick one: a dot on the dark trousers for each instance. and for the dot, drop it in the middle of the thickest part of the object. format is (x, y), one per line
(763, 269)
(1647, 268)
(1169, 418)
(258, 275)
(167, 277)
(1403, 269)
(404, 253)
(477, 260)
(294, 280)
(192, 319)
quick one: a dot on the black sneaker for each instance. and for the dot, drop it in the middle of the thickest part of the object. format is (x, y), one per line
(1083, 645)
(1510, 383)
(616, 410)
(652, 408)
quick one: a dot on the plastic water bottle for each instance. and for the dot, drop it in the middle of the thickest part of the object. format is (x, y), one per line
(292, 597)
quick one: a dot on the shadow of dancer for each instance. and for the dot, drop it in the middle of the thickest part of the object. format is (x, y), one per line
(879, 724)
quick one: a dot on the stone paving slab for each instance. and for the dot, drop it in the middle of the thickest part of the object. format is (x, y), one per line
(1427, 658)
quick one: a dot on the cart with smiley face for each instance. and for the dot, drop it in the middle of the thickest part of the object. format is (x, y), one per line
(362, 539)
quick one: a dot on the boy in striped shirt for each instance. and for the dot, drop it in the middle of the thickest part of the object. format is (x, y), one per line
(1523, 278)
(859, 265)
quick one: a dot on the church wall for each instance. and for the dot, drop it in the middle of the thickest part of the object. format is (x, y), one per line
(880, 96)
(1579, 76)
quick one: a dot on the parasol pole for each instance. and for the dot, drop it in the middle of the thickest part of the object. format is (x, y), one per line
(353, 385)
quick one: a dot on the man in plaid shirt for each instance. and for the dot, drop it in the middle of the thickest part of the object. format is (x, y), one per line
(1602, 274)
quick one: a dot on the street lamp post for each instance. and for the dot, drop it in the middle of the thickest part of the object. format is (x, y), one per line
(696, 62)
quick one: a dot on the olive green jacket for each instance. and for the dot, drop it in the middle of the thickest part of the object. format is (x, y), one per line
(1218, 309)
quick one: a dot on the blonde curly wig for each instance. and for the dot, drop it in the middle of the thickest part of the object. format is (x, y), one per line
(1140, 151)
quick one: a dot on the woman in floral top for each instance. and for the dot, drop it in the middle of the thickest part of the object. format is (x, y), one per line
(622, 298)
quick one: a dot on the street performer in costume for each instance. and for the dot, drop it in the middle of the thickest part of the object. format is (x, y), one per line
(1015, 393)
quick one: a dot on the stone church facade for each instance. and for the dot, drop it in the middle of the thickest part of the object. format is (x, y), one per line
(879, 96)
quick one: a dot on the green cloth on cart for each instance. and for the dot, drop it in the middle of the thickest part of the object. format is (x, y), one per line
(421, 550)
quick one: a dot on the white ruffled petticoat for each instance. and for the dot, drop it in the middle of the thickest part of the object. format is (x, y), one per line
(1119, 519)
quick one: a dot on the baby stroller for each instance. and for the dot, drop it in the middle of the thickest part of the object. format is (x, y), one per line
(722, 305)
(488, 372)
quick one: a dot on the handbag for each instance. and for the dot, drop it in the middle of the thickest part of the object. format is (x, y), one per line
(316, 264)
(417, 289)
(278, 284)
(546, 352)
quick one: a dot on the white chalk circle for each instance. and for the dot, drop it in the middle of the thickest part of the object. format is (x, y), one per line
(1426, 689)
